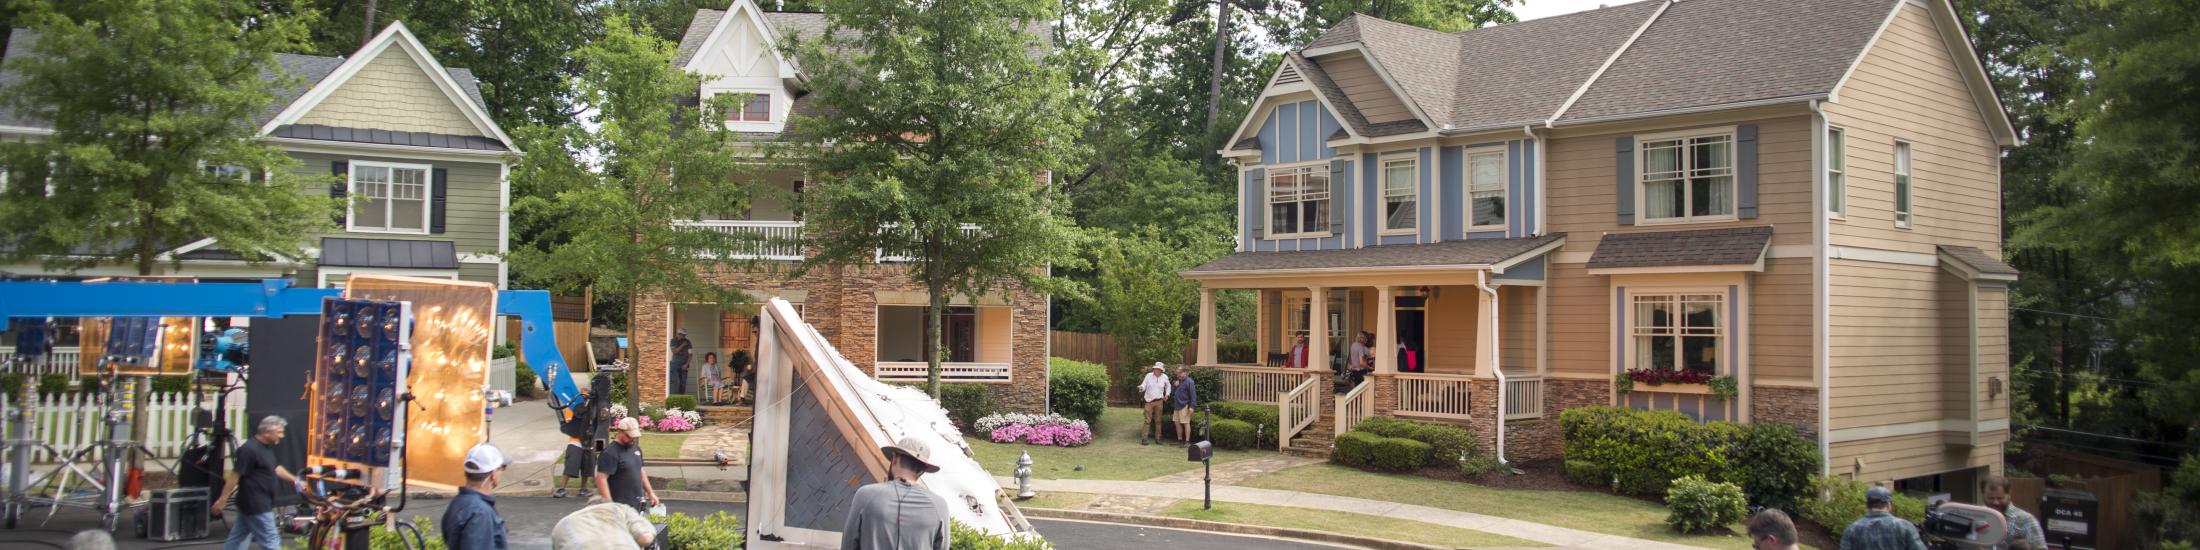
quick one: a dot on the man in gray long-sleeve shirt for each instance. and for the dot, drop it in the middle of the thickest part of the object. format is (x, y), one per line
(898, 514)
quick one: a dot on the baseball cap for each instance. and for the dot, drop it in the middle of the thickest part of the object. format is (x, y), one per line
(484, 458)
(628, 425)
(1878, 495)
(915, 448)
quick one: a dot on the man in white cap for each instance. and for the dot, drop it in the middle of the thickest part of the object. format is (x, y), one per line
(1155, 388)
(471, 521)
(619, 469)
(899, 513)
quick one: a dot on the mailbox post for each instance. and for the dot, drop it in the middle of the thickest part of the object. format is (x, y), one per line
(1203, 452)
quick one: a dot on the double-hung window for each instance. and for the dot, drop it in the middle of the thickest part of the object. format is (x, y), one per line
(390, 198)
(1836, 174)
(1683, 331)
(1486, 189)
(1902, 184)
(1401, 195)
(1298, 200)
(1688, 178)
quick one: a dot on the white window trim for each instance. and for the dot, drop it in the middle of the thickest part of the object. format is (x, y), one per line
(323, 274)
(1267, 202)
(781, 105)
(1382, 192)
(427, 197)
(1503, 187)
(1905, 154)
(1837, 168)
(1726, 331)
(1642, 164)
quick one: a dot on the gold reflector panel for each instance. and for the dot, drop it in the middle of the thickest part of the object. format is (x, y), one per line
(450, 368)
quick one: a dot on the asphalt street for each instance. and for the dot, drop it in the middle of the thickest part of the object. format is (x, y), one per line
(528, 520)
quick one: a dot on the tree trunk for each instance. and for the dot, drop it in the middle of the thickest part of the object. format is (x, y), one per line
(934, 309)
(366, 33)
(1214, 80)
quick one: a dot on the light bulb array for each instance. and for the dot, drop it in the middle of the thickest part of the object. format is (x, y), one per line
(359, 381)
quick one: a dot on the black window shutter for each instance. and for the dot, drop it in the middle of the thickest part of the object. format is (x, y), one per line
(1259, 196)
(1745, 171)
(1340, 186)
(440, 189)
(341, 189)
(1624, 167)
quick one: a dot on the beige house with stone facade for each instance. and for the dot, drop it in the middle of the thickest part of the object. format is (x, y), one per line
(873, 314)
(1800, 197)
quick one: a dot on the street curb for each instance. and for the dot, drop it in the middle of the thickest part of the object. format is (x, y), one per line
(1232, 528)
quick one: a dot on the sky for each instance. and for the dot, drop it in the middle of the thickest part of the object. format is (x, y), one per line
(1538, 9)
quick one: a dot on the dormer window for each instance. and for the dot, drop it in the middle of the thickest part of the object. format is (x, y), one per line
(752, 107)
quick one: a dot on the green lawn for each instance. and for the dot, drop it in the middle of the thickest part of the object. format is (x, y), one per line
(1113, 454)
(1587, 511)
(1056, 499)
(1346, 523)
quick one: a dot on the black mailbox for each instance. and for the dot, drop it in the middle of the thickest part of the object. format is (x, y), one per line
(1198, 452)
(2068, 518)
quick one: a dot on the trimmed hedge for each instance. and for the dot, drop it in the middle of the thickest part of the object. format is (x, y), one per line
(966, 403)
(1773, 463)
(680, 401)
(1393, 454)
(171, 384)
(1236, 435)
(524, 383)
(1452, 445)
(1262, 417)
(1077, 389)
(1698, 505)
(1647, 450)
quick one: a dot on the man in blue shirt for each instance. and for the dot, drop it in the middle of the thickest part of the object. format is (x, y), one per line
(1878, 529)
(471, 522)
(1184, 397)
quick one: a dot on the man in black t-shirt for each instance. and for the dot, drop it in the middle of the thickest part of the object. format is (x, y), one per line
(619, 469)
(255, 481)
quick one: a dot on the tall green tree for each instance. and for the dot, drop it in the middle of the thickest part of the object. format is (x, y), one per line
(518, 49)
(937, 115)
(617, 184)
(1140, 296)
(143, 97)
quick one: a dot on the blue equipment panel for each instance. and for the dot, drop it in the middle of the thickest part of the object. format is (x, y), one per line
(364, 357)
(134, 342)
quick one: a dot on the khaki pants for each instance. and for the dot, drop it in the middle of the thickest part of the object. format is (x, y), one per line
(1154, 418)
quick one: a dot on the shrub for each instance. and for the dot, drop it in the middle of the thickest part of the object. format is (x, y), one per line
(1208, 381)
(1587, 473)
(966, 403)
(87, 384)
(1236, 352)
(1478, 464)
(1449, 444)
(524, 383)
(1262, 417)
(51, 384)
(964, 537)
(1773, 464)
(677, 420)
(1647, 450)
(1697, 505)
(714, 532)
(12, 382)
(1049, 429)
(1355, 448)
(680, 401)
(1231, 434)
(1398, 454)
(1841, 502)
(171, 384)
(381, 538)
(1077, 389)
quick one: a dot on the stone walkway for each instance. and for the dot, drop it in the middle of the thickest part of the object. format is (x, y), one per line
(733, 441)
(1172, 491)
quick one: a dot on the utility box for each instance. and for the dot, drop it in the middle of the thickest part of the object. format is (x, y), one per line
(2069, 518)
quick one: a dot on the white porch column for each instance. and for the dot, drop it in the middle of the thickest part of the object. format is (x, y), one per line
(1485, 334)
(1206, 355)
(1317, 329)
(1386, 330)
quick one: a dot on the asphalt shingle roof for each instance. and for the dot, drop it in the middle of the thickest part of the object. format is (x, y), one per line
(1466, 252)
(1713, 52)
(1978, 260)
(1739, 245)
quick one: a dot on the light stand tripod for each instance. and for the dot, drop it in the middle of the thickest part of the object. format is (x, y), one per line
(18, 447)
(113, 454)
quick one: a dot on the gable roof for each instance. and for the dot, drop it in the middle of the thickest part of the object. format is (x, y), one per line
(1714, 52)
(466, 97)
(310, 71)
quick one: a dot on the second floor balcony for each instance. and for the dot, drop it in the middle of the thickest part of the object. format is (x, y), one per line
(757, 239)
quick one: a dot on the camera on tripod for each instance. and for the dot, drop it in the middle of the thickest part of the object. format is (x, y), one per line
(1953, 526)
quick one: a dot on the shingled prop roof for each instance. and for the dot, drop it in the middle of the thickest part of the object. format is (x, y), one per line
(1471, 252)
(1698, 247)
(1978, 261)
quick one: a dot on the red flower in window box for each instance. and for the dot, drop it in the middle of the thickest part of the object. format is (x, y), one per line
(1659, 377)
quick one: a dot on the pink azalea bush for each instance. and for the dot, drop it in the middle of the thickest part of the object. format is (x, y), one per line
(675, 420)
(1051, 429)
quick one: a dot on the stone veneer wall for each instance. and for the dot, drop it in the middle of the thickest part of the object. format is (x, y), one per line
(843, 305)
(1787, 405)
(1540, 439)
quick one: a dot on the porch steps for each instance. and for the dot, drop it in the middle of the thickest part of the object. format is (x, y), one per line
(1318, 440)
(726, 415)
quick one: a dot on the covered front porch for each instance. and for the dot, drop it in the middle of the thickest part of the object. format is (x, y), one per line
(1448, 332)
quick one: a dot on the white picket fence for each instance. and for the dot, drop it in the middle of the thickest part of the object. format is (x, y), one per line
(68, 422)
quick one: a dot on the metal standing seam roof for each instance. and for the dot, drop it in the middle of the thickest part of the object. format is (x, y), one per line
(387, 137)
(1696, 247)
(1470, 252)
(390, 253)
(1977, 260)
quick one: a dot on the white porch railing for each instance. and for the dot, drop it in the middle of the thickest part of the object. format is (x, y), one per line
(1435, 396)
(1298, 409)
(968, 229)
(72, 420)
(61, 361)
(896, 371)
(1258, 384)
(770, 239)
(1354, 406)
(1523, 398)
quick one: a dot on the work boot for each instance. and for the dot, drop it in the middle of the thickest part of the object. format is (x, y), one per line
(1142, 441)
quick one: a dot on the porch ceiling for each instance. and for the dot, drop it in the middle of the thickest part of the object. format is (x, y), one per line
(1462, 257)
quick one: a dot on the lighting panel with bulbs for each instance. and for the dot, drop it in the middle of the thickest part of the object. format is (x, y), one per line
(359, 387)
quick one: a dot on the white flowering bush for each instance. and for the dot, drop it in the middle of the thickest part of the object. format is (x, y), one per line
(617, 410)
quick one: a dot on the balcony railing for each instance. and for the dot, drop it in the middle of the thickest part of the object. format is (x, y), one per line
(61, 361)
(897, 371)
(1259, 384)
(1523, 398)
(1437, 396)
(968, 230)
(765, 240)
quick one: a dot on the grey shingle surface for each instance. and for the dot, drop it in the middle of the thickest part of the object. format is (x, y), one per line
(1978, 260)
(698, 30)
(1467, 252)
(363, 135)
(351, 252)
(1714, 52)
(1739, 245)
(1520, 73)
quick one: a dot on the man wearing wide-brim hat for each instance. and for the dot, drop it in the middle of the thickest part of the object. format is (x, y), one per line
(899, 513)
(1155, 390)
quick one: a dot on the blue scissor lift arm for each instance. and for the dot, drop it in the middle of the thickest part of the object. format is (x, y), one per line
(267, 298)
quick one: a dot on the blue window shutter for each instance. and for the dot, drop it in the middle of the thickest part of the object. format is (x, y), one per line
(1259, 195)
(1745, 171)
(1340, 184)
(340, 190)
(1624, 167)
(439, 186)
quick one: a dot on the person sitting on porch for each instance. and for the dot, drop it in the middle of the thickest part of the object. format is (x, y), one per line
(714, 378)
(743, 374)
(1298, 354)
